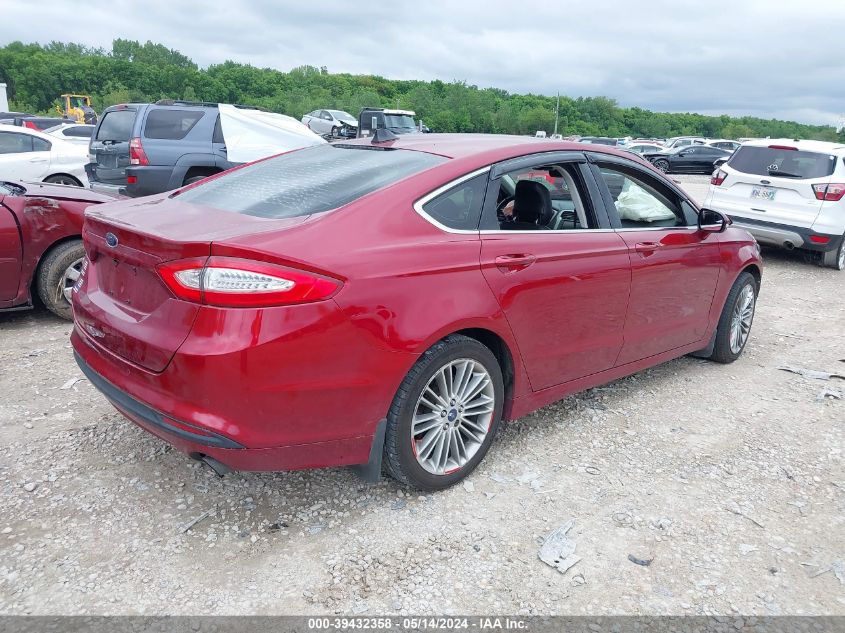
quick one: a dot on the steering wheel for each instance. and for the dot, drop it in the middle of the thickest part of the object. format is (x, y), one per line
(500, 213)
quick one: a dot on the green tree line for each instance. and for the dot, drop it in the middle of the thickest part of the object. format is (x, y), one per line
(36, 75)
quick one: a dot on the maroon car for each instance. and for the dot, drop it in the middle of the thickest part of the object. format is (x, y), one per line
(389, 302)
(41, 248)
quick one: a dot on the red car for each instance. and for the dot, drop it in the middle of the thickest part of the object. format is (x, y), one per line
(368, 303)
(41, 248)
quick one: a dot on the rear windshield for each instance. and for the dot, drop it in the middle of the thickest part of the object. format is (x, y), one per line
(116, 125)
(784, 163)
(309, 181)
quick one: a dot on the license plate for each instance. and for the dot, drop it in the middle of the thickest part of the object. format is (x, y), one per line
(763, 193)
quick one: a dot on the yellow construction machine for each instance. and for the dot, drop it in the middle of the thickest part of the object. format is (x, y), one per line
(77, 107)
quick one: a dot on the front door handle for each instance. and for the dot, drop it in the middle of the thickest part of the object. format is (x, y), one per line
(37, 160)
(646, 248)
(515, 262)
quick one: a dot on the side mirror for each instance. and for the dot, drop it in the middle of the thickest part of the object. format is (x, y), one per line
(711, 221)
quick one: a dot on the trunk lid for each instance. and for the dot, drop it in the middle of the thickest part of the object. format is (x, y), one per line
(123, 305)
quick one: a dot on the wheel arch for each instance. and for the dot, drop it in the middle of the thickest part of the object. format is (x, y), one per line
(37, 267)
(66, 175)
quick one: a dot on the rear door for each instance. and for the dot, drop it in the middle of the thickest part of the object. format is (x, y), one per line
(109, 148)
(773, 184)
(564, 283)
(674, 266)
(170, 133)
(23, 157)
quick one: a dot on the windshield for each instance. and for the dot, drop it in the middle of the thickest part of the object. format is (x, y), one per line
(399, 121)
(340, 114)
(307, 181)
(782, 161)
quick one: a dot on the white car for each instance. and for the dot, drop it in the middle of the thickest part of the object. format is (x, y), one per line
(723, 143)
(27, 154)
(683, 141)
(329, 121)
(786, 193)
(79, 133)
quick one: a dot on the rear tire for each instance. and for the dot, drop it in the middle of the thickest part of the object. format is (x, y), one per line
(734, 327)
(192, 180)
(835, 259)
(662, 164)
(58, 271)
(434, 447)
(63, 179)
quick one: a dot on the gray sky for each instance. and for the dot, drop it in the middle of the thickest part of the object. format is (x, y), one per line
(769, 58)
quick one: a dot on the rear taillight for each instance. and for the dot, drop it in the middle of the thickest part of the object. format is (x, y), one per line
(243, 283)
(136, 153)
(819, 239)
(831, 192)
(718, 177)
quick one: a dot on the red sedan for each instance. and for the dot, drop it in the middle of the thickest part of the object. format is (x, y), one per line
(41, 248)
(387, 303)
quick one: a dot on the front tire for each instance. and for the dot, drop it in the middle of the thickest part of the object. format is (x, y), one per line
(445, 414)
(57, 272)
(735, 322)
(335, 132)
(835, 259)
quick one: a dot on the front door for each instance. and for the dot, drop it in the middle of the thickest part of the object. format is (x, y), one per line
(562, 284)
(674, 266)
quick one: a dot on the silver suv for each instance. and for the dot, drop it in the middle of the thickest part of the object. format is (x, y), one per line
(786, 193)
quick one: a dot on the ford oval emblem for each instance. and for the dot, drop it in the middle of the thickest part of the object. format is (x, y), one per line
(111, 240)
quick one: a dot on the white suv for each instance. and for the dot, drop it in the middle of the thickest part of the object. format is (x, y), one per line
(786, 193)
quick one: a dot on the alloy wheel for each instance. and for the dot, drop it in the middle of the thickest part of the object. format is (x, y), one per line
(453, 416)
(662, 165)
(743, 315)
(70, 277)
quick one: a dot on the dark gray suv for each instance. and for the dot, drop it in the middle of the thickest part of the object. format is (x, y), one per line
(139, 149)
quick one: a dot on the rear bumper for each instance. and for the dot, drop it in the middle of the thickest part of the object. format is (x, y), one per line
(363, 450)
(149, 180)
(308, 392)
(786, 236)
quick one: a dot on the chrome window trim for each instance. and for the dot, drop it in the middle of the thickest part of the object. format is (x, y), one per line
(418, 205)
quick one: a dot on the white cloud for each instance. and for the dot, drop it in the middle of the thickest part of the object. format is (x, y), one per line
(753, 57)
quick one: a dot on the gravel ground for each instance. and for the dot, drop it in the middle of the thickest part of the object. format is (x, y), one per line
(729, 477)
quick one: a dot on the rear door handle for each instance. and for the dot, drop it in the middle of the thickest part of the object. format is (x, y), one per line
(646, 248)
(513, 263)
(37, 160)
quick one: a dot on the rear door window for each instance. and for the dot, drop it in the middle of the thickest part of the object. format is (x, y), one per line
(173, 125)
(308, 181)
(782, 162)
(116, 125)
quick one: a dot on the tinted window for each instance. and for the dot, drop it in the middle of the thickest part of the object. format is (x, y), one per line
(40, 145)
(80, 131)
(639, 200)
(786, 163)
(309, 181)
(460, 207)
(171, 124)
(116, 125)
(11, 143)
(217, 137)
